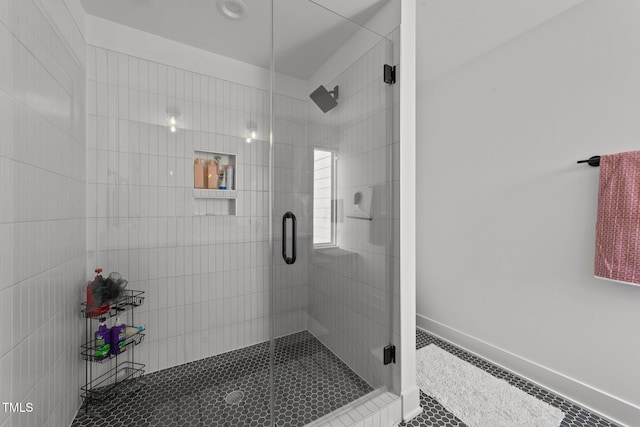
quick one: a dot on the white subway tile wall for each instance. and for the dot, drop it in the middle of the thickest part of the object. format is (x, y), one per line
(351, 291)
(205, 275)
(293, 169)
(42, 211)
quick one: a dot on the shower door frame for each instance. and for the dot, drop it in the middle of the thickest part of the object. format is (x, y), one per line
(275, 252)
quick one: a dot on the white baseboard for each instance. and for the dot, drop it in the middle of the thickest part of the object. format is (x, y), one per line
(600, 402)
(411, 404)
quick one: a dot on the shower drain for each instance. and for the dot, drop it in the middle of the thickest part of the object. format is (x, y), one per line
(234, 397)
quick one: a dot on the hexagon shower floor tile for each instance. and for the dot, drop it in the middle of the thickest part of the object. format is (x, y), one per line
(310, 383)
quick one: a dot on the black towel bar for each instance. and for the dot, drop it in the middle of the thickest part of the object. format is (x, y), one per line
(592, 161)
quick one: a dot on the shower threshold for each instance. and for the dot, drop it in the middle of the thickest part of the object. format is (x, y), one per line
(232, 389)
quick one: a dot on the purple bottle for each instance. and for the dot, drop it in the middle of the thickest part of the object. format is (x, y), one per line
(118, 337)
(103, 341)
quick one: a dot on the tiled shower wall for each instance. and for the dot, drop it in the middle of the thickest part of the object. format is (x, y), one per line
(352, 306)
(205, 275)
(292, 193)
(42, 210)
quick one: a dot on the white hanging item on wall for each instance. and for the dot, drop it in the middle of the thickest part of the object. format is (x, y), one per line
(361, 203)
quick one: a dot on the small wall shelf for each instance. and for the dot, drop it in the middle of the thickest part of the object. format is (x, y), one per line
(214, 194)
(129, 301)
(225, 160)
(213, 201)
(121, 376)
(117, 381)
(89, 349)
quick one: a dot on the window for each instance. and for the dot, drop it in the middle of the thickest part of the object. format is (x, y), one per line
(324, 183)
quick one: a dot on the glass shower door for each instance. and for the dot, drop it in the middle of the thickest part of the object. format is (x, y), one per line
(332, 218)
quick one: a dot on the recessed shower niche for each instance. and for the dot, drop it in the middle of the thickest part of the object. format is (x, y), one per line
(214, 183)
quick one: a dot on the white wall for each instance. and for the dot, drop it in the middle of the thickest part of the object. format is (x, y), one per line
(455, 32)
(507, 217)
(42, 210)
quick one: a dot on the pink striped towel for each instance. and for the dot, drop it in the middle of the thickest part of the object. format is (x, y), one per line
(618, 221)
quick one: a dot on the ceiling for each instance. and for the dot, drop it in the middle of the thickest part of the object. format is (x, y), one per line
(306, 33)
(453, 32)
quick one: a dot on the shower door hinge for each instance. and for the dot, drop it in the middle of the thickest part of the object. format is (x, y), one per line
(389, 354)
(389, 74)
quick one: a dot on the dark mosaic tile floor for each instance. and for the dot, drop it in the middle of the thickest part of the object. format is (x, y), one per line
(310, 383)
(434, 414)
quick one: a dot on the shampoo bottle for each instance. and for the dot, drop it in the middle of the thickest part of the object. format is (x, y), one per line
(229, 177)
(198, 174)
(118, 337)
(212, 174)
(222, 179)
(103, 340)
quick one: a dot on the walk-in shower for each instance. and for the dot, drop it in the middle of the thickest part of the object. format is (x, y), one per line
(268, 302)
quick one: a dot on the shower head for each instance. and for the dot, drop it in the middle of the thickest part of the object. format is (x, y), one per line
(324, 99)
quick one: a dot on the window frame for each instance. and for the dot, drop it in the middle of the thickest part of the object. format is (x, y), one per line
(334, 190)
